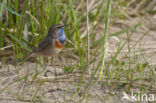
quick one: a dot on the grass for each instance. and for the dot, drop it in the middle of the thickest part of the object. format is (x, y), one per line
(104, 39)
(24, 24)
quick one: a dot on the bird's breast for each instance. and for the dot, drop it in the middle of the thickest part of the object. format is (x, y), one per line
(52, 49)
(58, 45)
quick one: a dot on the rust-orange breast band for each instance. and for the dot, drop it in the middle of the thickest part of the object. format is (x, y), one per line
(58, 45)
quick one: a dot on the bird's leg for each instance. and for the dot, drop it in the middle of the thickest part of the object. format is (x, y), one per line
(53, 62)
(45, 66)
(45, 71)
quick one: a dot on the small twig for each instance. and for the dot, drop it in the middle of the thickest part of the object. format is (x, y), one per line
(27, 12)
(22, 100)
(6, 47)
(96, 79)
(6, 53)
(88, 42)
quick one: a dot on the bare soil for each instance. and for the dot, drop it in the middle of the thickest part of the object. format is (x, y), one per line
(15, 90)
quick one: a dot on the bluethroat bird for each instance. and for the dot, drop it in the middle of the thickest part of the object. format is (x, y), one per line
(53, 43)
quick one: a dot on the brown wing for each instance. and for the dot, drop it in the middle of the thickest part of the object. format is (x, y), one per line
(45, 43)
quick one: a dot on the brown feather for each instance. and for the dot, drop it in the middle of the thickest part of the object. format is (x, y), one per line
(58, 45)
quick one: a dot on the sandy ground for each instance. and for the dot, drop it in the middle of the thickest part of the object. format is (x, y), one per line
(143, 39)
(13, 89)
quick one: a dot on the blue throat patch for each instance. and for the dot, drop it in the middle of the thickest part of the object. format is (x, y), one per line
(62, 37)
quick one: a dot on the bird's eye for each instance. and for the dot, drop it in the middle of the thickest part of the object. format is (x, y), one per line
(59, 27)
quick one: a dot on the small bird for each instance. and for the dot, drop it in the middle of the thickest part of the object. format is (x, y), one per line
(53, 43)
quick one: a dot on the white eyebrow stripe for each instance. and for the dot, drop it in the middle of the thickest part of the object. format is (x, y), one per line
(59, 25)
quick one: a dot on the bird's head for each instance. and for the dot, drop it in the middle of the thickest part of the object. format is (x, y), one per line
(57, 32)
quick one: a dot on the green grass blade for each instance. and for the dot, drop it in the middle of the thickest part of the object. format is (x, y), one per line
(99, 42)
(21, 43)
(103, 52)
(10, 10)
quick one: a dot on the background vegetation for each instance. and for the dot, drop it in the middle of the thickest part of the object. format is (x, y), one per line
(23, 23)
